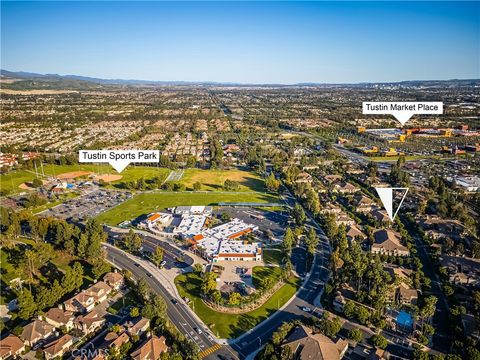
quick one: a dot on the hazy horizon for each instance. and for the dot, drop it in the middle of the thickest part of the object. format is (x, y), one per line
(244, 43)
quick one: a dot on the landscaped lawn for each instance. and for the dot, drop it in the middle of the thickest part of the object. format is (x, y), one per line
(272, 256)
(212, 180)
(129, 299)
(263, 272)
(146, 203)
(228, 326)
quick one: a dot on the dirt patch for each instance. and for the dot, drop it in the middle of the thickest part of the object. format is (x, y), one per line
(109, 177)
(29, 186)
(74, 174)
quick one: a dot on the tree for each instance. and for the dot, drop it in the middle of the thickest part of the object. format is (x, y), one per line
(82, 246)
(363, 315)
(231, 185)
(379, 341)
(26, 304)
(349, 309)
(197, 267)
(312, 241)
(158, 255)
(234, 298)
(37, 182)
(288, 241)
(197, 186)
(132, 242)
(299, 214)
(271, 183)
(143, 289)
(155, 308)
(99, 267)
(134, 312)
(355, 334)
(209, 282)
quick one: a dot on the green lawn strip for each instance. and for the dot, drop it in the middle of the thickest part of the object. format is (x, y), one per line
(232, 325)
(145, 203)
(272, 256)
(213, 180)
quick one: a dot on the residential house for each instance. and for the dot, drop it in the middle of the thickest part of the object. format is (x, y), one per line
(354, 233)
(344, 219)
(306, 345)
(90, 322)
(331, 209)
(364, 204)
(11, 347)
(137, 326)
(406, 294)
(114, 280)
(99, 291)
(35, 331)
(114, 340)
(150, 349)
(388, 242)
(380, 215)
(345, 188)
(80, 303)
(58, 347)
(304, 177)
(58, 317)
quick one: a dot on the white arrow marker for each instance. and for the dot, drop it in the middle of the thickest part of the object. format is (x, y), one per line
(386, 195)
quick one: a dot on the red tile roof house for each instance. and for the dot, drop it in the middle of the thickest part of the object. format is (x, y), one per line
(99, 291)
(80, 303)
(58, 347)
(137, 326)
(58, 317)
(85, 301)
(35, 331)
(388, 242)
(114, 280)
(11, 347)
(114, 340)
(150, 349)
(90, 322)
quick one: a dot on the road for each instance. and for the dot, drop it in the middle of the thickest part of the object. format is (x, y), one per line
(180, 314)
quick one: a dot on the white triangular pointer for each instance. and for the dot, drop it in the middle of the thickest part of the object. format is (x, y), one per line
(386, 195)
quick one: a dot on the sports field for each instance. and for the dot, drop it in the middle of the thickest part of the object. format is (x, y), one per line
(11, 181)
(146, 203)
(213, 180)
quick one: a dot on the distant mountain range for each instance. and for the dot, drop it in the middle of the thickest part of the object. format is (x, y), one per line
(71, 80)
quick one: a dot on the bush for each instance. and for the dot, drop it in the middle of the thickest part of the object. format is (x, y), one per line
(355, 334)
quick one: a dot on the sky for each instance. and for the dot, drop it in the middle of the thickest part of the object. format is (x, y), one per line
(244, 42)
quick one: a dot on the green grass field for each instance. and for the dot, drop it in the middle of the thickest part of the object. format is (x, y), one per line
(229, 326)
(146, 203)
(212, 180)
(272, 256)
(10, 182)
(263, 272)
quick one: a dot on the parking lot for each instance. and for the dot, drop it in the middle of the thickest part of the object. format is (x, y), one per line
(275, 221)
(88, 205)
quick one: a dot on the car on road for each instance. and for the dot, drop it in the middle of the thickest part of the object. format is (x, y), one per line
(174, 301)
(137, 264)
(306, 309)
(148, 274)
(163, 263)
(197, 330)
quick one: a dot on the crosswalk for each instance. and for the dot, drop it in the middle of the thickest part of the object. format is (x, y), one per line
(209, 351)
